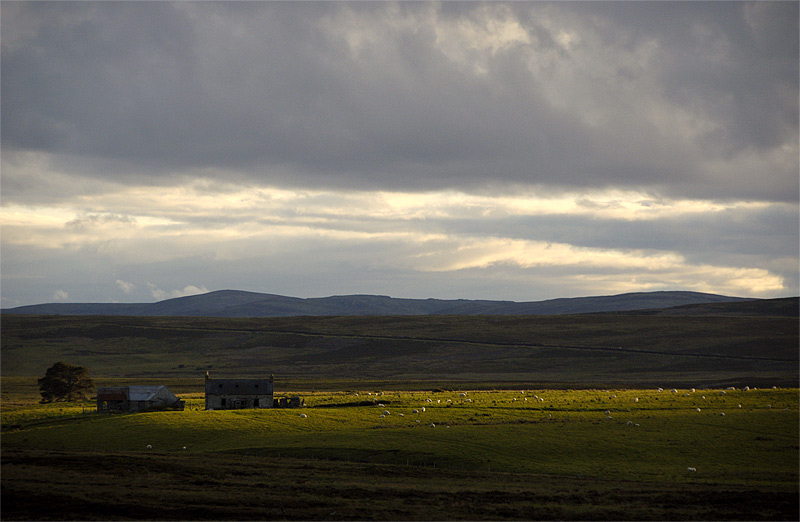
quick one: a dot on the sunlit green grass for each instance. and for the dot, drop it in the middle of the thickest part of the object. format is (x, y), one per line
(560, 432)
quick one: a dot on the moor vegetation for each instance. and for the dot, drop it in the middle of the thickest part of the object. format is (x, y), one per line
(592, 417)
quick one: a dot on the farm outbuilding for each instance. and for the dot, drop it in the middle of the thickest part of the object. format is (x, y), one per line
(131, 399)
(236, 394)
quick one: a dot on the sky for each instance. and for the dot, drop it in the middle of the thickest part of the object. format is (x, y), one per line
(518, 151)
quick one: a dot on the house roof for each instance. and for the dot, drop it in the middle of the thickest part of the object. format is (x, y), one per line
(239, 387)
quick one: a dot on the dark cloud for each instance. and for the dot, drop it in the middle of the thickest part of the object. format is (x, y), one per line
(393, 96)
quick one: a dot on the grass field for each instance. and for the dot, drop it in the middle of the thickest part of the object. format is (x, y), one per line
(560, 419)
(492, 454)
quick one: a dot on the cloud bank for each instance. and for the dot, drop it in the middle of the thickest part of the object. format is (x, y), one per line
(499, 150)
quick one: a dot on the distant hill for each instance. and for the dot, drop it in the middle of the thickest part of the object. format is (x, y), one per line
(236, 303)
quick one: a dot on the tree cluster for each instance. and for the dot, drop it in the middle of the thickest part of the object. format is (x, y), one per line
(64, 382)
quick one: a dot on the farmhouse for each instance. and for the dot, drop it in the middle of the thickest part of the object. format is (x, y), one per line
(130, 399)
(235, 394)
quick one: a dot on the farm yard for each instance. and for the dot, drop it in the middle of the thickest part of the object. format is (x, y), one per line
(596, 454)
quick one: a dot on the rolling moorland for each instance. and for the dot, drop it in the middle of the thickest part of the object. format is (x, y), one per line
(527, 417)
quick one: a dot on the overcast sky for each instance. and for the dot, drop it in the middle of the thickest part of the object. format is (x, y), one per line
(519, 151)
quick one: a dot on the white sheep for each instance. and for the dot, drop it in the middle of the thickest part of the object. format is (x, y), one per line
(629, 423)
(386, 412)
(303, 416)
(691, 470)
(417, 421)
(746, 388)
(661, 389)
(423, 408)
(722, 414)
(381, 405)
(674, 390)
(468, 400)
(692, 390)
(149, 446)
(400, 415)
(463, 394)
(428, 400)
(433, 425)
(184, 447)
(415, 411)
(698, 409)
(636, 399)
(382, 416)
(607, 412)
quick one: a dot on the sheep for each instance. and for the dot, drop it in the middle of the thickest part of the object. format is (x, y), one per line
(660, 389)
(417, 421)
(731, 388)
(149, 446)
(463, 394)
(541, 400)
(400, 415)
(438, 401)
(607, 412)
(609, 417)
(674, 390)
(722, 392)
(433, 425)
(692, 390)
(636, 399)
(722, 414)
(691, 470)
(468, 400)
(386, 412)
(740, 405)
(746, 388)
(415, 411)
(698, 409)
(423, 408)
(428, 400)
(629, 423)
(381, 405)
(303, 416)
(184, 447)
(382, 416)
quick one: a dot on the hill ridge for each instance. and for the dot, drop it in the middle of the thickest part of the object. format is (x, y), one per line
(243, 303)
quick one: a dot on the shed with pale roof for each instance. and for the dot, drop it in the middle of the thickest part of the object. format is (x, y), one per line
(130, 399)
